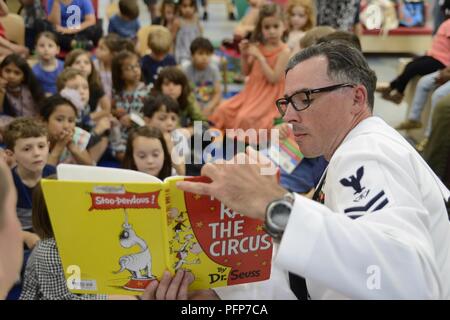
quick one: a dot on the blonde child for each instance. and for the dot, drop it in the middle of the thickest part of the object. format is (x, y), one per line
(264, 61)
(301, 18)
(73, 85)
(67, 142)
(74, 80)
(146, 151)
(160, 42)
(188, 30)
(99, 103)
(48, 67)
(19, 89)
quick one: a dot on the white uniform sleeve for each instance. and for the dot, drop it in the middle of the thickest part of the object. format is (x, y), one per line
(370, 241)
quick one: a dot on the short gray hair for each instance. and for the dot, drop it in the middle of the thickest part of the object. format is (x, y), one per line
(345, 64)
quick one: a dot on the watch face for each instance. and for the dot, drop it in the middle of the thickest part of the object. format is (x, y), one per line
(280, 215)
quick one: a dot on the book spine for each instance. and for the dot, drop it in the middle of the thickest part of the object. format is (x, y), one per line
(166, 227)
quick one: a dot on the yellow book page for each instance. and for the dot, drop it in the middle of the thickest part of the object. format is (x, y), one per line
(220, 247)
(112, 237)
(185, 251)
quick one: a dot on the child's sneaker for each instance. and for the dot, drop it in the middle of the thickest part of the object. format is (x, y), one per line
(409, 124)
(393, 96)
(422, 145)
(87, 45)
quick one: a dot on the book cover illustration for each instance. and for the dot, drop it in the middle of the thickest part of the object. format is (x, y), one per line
(122, 236)
(219, 246)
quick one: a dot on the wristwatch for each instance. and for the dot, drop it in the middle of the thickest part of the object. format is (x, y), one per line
(277, 216)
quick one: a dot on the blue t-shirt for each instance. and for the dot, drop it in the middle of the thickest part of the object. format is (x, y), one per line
(24, 196)
(123, 28)
(305, 176)
(75, 11)
(48, 79)
(150, 67)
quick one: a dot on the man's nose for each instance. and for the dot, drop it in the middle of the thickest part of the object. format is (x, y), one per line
(291, 114)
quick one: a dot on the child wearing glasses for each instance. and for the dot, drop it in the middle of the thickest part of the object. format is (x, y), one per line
(129, 93)
(263, 60)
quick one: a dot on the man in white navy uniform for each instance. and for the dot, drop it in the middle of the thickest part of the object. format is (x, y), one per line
(382, 231)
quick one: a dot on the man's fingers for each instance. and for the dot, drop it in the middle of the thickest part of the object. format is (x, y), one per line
(211, 170)
(169, 288)
(172, 291)
(195, 187)
(150, 291)
(163, 286)
(257, 157)
(187, 280)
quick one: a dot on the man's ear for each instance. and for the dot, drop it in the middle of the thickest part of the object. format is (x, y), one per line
(359, 98)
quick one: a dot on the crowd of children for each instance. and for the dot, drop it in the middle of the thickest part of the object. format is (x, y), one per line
(105, 104)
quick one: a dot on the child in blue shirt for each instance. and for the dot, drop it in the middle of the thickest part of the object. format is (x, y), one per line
(26, 140)
(49, 67)
(160, 43)
(126, 23)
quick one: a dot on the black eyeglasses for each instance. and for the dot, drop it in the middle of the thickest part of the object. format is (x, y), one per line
(301, 100)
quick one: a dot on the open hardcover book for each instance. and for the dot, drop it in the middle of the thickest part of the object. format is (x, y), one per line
(117, 230)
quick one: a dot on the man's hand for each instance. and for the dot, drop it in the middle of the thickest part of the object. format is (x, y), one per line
(169, 288)
(240, 183)
(284, 131)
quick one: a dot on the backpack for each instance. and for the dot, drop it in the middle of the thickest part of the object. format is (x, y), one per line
(411, 13)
